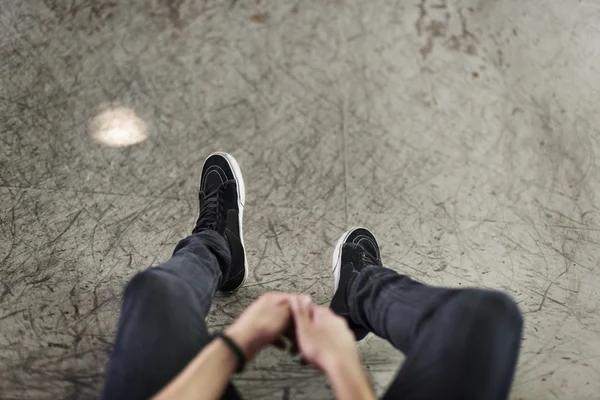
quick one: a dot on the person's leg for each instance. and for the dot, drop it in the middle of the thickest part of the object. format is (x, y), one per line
(162, 327)
(459, 344)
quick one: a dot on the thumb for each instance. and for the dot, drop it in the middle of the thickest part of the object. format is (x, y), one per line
(301, 315)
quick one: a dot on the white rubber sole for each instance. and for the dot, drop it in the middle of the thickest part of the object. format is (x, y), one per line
(237, 173)
(336, 263)
(336, 260)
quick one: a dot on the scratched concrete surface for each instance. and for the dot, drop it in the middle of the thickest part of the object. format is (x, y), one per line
(464, 133)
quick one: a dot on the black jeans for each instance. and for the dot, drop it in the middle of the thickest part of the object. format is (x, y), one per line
(459, 344)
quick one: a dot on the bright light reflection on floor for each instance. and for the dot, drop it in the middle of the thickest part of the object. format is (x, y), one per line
(118, 127)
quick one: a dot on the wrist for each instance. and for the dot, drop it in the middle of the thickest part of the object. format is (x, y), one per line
(345, 368)
(336, 368)
(334, 364)
(245, 340)
(348, 379)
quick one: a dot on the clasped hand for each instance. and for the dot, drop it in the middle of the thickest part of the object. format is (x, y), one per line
(322, 337)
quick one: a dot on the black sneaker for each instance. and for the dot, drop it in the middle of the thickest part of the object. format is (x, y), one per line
(356, 249)
(222, 197)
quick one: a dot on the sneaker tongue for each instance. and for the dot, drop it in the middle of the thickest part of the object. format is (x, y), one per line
(229, 192)
(211, 193)
(372, 259)
(225, 186)
(368, 246)
(366, 251)
(211, 212)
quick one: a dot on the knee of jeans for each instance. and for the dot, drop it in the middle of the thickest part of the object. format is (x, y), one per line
(498, 308)
(151, 280)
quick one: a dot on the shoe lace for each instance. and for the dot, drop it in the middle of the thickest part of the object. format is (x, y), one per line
(369, 259)
(211, 209)
(366, 257)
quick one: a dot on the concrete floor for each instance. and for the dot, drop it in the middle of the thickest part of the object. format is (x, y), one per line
(464, 133)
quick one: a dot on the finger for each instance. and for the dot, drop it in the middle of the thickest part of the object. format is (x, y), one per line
(289, 298)
(320, 312)
(299, 310)
(278, 297)
(301, 315)
(281, 314)
(306, 300)
(280, 319)
(311, 311)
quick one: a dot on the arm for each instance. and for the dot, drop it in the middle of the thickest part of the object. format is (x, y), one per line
(349, 381)
(206, 376)
(326, 341)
